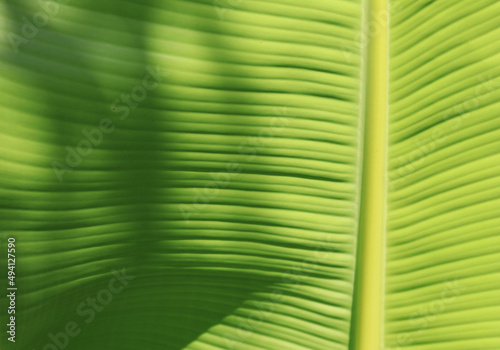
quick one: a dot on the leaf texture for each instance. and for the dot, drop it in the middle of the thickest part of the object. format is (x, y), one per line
(229, 189)
(442, 281)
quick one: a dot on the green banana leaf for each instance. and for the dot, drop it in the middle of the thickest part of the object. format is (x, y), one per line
(249, 175)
